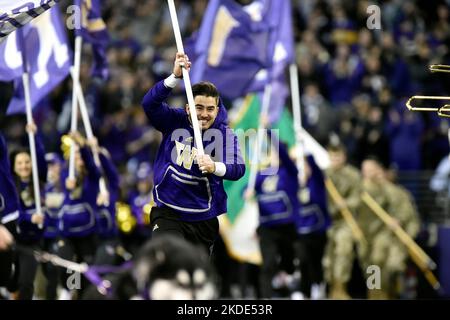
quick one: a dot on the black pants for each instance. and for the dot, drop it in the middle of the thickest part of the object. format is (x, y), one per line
(26, 265)
(277, 250)
(106, 253)
(202, 233)
(50, 270)
(80, 249)
(7, 259)
(6, 267)
(310, 249)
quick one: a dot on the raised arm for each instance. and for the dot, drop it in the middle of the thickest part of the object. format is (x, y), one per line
(3, 150)
(110, 172)
(88, 159)
(40, 155)
(316, 172)
(160, 115)
(31, 128)
(284, 156)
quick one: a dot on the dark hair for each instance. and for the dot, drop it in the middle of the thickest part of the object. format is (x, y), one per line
(337, 148)
(205, 88)
(376, 159)
(17, 182)
(166, 255)
(160, 258)
(13, 155)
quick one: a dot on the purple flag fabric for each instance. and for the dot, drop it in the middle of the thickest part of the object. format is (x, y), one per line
(17, 13)
(48, 58)
(93, 30)
(242, 48)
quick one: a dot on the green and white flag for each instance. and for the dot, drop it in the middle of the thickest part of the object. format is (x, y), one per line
(238, 226)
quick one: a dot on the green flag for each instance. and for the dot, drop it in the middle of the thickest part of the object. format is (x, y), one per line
(248, 118)
(238, 227)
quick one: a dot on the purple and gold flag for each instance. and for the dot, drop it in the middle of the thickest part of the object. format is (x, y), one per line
(93, 30)
(48, 58)
(242, 48)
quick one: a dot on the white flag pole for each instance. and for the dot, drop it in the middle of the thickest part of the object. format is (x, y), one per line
(296, 109)
(448, 135)
(89, 131)
(259, 140)
(74, 118)
(29, 115)
(186, 79)
(35, 172)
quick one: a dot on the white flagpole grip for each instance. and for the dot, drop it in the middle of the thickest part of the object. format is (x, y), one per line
(186, 79)
(73, 124)
(259, 140)
(88, 128)
(296, 110)
(35, 172)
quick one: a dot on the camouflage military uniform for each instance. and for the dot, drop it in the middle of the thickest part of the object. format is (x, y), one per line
(384, 249)
(339, 254)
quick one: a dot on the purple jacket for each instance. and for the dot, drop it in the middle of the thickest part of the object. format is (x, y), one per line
(178, 182)
(313, 214)
(9, 200)
(106, 215)
(277, 193)
(55, 194)
(78, 214)
(27, 230)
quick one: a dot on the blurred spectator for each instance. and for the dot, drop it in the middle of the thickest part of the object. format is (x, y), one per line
(440, 182)
(319, 116)
(404, 130)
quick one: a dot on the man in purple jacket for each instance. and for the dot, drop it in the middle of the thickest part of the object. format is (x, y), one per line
(9, 214)
(188, 192)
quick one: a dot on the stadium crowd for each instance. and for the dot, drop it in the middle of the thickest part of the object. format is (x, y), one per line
(354, 82)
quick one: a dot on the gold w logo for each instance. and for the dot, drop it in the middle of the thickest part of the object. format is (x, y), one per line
(185, 156)
(270, 184)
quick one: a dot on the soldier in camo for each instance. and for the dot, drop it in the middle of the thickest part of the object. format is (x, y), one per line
(384, 248)
(339, 252)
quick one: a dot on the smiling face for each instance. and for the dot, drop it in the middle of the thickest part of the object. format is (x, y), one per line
(79, 163)
(207, 110)
(144, 186)
(22, 165)
(54, 171)
(371, 170)
(337, 159)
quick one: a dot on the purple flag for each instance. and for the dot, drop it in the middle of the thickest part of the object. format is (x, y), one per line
(48, 58)
(93, 30)
(17, 13)
(242, 48)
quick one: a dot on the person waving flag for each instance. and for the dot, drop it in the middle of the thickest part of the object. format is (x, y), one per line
(18, 13)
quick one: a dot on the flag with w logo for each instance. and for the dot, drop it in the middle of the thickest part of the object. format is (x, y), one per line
(93, 29)
(17, 13)
(47, 54)
(242, 48)
(238, 226)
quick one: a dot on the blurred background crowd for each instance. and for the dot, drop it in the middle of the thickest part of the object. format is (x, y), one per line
(354, 83)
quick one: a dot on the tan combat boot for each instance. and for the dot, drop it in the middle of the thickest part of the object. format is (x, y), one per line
(338, 291)
(377, 294)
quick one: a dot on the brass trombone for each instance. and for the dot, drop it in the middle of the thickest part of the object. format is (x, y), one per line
(436, 109)
(444, 111)
(439, 68)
